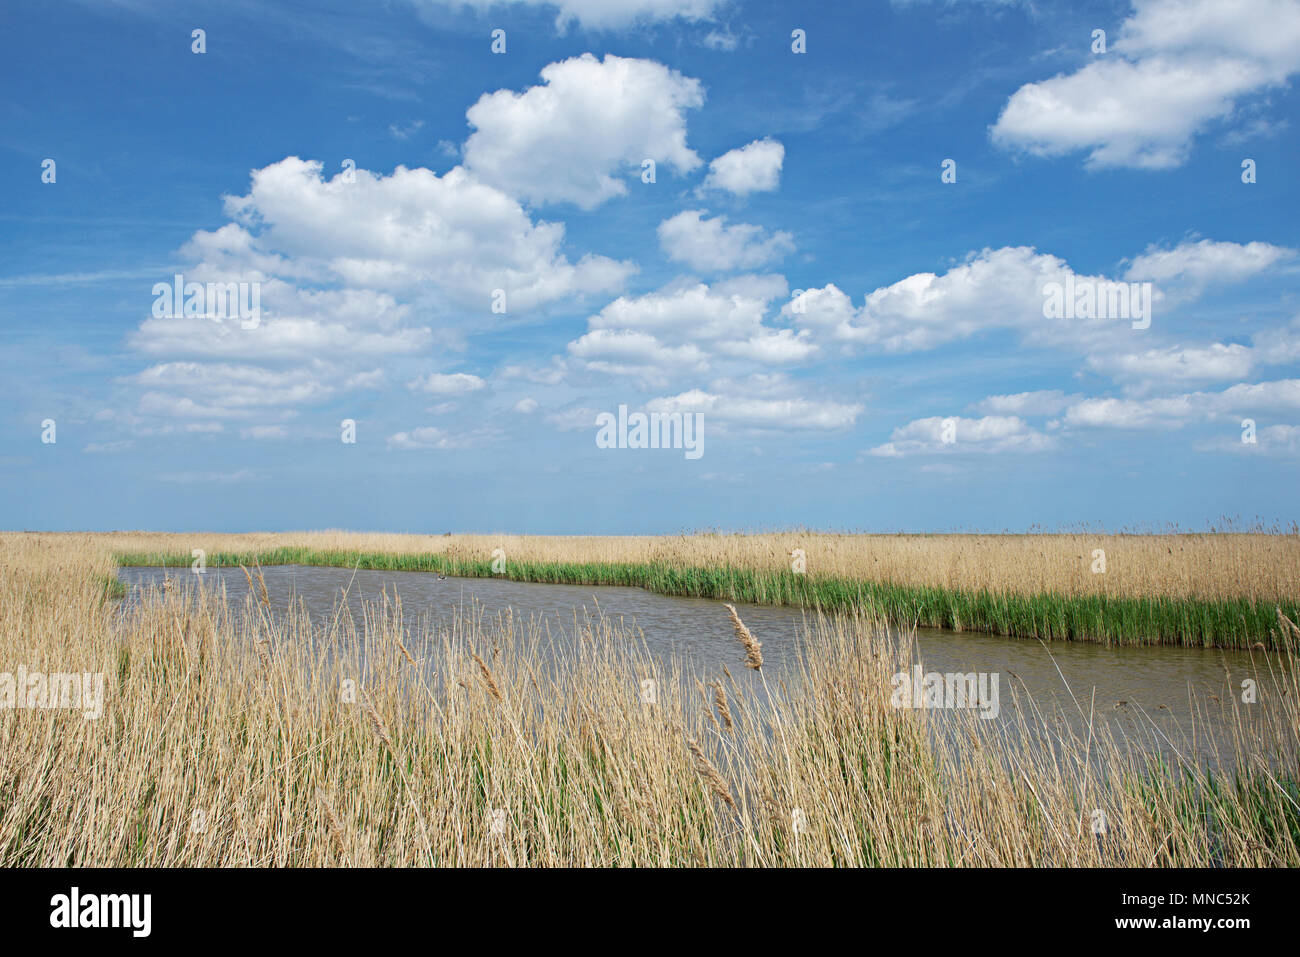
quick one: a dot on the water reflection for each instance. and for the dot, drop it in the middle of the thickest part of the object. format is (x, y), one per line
(1140, 693)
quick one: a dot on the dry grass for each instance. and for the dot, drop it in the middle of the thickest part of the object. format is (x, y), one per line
(475, 746)
(1206, 590)
(752, 646)
(1265, 566)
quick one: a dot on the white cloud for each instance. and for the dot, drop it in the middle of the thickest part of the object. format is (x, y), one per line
(566, 141)
(753, 168)
(686, 326)
(1199, 263)
(415, 229)
(1176, 66)
(341, 267)
(991, 433)
(526, 406)
(630, 353)
(264, 432)
(723, 40)
(572, 419)
(1004, 289)
(600, 14)
(1133, 413)
(725, 310)
(1242, 400)
(789, 414)
(233, 249)
(224, 390)
(1042, 402)
(425, 437)
(431, 437)
(437, 383)
(996, 288)
(1282, 440)
(372, 379)
(772, 347)
(1278, 346)
(1177, 365)
(274, 338)
(120, 445)
(404, 131)
(711, 245)
(551, 374)
(1185, 365)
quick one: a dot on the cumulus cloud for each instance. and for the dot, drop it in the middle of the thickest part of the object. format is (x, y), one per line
(1038, 403)
(1242, 400)
(1278, 345)
(431, 437)
(438, 383)
(1198, 264)
(98, 448)
(711, 245)
(639, 354)
(414, 229)
(294, 323)
(753, 168)
(1004, 289)
(404, 131)
(264, 432)
(278, 338)
(573, 418)
(574, 138)
(224, 389)
(723, 40)
(785, 414)
(685, 327)
(1177, 365)
(425, 437)
(1185, 364)
(729, 309)
(551, 373)
(688, 327)
(1281, 440)
(955, 434)
(772, 347)
(993, 289)
(341, 267)
(1176, 66)
(599, 14)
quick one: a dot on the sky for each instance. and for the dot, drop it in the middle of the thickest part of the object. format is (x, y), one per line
(838, 238)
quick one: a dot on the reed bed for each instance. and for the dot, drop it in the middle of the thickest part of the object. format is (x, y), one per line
(1211, 565)
(232, 736)
(1206, 590)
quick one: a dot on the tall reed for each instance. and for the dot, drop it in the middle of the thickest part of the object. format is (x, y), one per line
(239, 736)
(1166, 617)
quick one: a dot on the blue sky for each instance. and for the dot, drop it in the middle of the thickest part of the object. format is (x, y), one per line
(867, 343)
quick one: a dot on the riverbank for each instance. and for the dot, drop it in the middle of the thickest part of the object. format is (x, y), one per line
(241, 737)
(1237, 623)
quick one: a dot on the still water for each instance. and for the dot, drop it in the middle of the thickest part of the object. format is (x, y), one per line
(1145, 693)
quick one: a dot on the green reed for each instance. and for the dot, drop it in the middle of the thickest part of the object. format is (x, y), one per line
(1225, 623)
